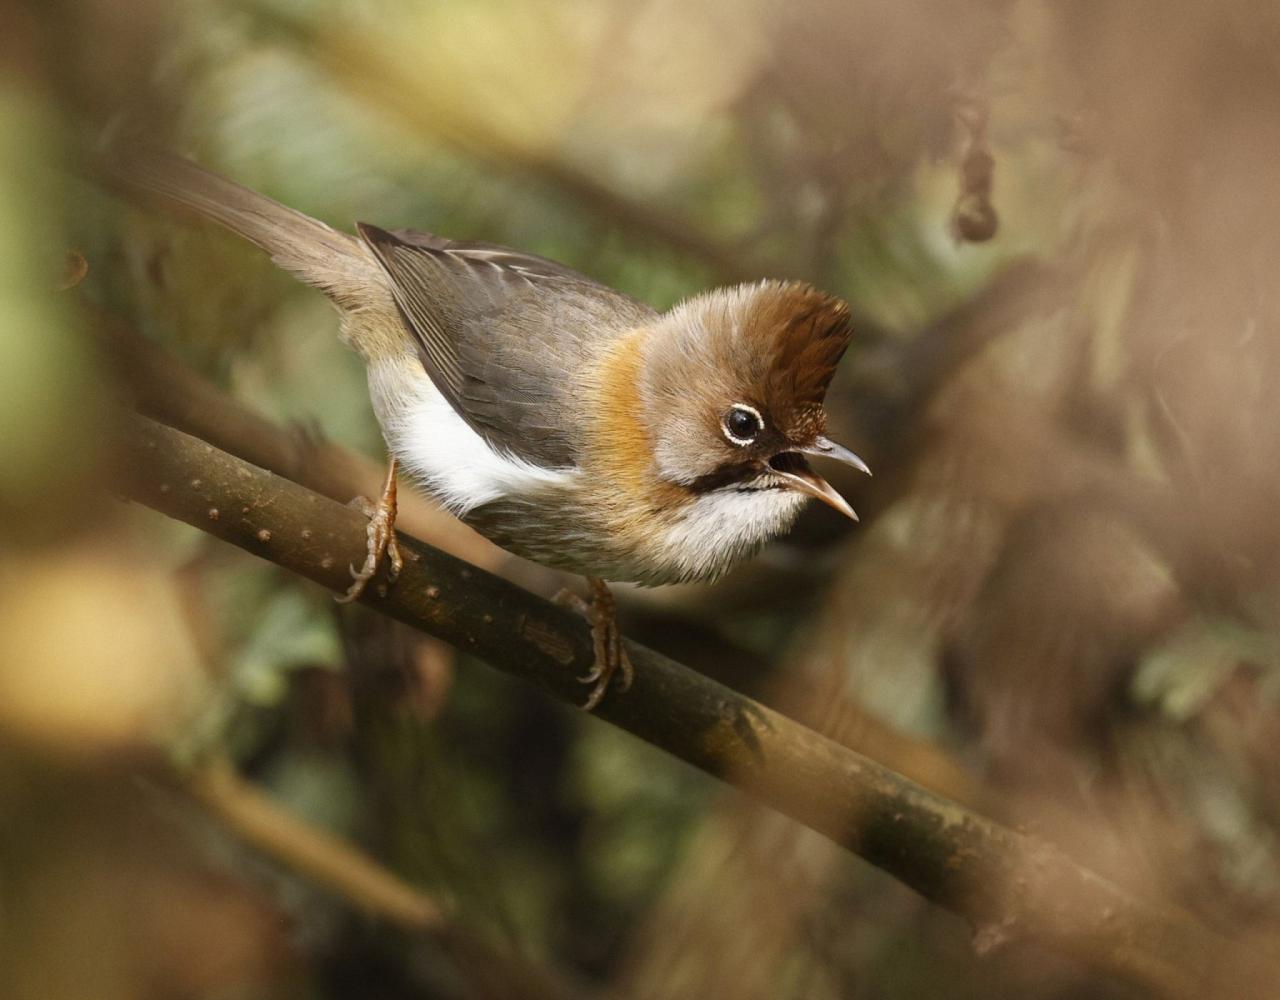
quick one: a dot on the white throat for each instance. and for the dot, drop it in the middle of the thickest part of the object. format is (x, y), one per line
(723, 527)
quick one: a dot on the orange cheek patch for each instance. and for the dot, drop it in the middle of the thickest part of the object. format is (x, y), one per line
(619, 456)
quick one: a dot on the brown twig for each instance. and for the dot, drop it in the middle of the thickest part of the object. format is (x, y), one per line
(346, 871)
(1007, 885)
(313, 853)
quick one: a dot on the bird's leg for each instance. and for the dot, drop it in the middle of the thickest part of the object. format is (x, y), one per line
(381, 534)
(610, 654)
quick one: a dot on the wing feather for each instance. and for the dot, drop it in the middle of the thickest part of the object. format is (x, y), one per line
(502, 334)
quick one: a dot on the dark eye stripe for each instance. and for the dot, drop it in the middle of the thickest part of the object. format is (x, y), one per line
(723, 476)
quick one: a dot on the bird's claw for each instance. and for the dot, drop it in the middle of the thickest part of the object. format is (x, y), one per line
(381, 535)
(611, 658)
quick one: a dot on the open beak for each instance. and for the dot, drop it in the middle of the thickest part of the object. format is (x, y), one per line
(791, 467)
(824, 448)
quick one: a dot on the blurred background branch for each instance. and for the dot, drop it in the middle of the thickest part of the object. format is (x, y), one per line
(315, 855)
(343, 869)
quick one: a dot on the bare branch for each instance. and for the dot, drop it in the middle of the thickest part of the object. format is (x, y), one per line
(491, 973)
(314, 853)
(1008, 886)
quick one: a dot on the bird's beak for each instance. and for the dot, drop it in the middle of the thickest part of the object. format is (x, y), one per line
(793, 470)
(824, 448)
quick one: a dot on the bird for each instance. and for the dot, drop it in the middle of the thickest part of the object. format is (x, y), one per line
(562, 419)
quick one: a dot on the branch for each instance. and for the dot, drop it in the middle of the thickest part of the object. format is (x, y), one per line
(1008, 886)
(330, 861)
(314, 853)
(359, 62)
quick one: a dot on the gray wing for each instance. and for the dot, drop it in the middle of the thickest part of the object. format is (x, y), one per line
(501, 334)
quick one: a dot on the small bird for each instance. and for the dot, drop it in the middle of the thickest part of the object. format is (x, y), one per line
(562, 419)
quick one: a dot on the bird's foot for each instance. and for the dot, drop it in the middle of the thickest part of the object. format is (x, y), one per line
(611, 657)
(381, 534)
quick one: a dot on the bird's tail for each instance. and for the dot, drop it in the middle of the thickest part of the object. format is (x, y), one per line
(330, 260)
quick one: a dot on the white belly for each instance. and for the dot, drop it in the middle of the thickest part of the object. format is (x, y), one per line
(441, 451)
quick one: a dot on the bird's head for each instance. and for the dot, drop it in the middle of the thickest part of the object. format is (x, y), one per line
(733, 385)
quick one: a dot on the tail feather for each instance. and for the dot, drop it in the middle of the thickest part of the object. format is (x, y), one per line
(330, 260)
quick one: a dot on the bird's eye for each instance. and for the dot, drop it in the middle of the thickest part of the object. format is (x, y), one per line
(742, 423)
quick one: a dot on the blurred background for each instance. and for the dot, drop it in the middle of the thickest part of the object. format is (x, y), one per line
(1057, 226)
